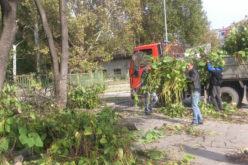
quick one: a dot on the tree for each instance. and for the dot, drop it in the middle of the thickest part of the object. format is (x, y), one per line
(60, 65)
(186, 21)
(100, 29)
(211, 37)
(33, 54)
(236, 42)
(28, 31)
(8, 31)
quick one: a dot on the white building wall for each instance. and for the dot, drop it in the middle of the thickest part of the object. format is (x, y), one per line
(122, 64)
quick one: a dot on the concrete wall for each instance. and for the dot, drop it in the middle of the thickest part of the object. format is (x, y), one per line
(122, 64)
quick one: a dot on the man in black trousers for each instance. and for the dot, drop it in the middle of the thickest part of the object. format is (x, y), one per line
(215, 82)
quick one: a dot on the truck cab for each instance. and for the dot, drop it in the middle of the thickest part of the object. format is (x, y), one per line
(142, 54)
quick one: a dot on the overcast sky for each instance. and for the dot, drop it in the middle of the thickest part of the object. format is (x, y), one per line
(222, 13)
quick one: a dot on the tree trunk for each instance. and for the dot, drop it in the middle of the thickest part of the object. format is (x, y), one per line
(62, 97)
(60, 76)
(7, 37)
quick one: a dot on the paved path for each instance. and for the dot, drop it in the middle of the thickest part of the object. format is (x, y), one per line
(211, 149)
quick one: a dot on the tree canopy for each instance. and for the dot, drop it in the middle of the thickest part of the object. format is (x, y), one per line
(186, 21)
(236, 42)
(100, 29)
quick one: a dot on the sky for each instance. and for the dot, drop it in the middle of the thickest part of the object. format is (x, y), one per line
(222, 13)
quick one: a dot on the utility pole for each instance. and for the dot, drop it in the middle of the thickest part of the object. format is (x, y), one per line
(165, 22)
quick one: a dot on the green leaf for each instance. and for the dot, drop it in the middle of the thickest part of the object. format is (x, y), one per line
(7, 128)
(117, 163)
(120, 153)
(155, 154)
(88, 131)
(140, 132)
(22, 130)
(83, 161)
(2, 126)
(30, 142)
(107, 150)
(4, 144)
(98, 131)
(10, 121)
(188, 158)
(32, 115)
(168, 59)
(212, 133)
(23, 139)
(103, 140)
(37, 140)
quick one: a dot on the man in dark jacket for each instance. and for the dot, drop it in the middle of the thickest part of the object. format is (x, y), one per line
(195, 94)
(215, 82)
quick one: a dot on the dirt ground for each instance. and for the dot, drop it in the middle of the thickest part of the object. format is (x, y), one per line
(220, 137)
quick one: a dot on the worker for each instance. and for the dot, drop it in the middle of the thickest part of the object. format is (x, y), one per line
(195, 94)
(215, 82)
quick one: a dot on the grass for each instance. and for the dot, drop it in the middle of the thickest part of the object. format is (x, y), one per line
(117, 89)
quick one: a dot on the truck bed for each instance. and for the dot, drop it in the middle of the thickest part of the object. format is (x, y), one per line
(233, 70)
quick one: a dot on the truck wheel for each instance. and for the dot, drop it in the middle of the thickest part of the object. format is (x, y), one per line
(229, 95)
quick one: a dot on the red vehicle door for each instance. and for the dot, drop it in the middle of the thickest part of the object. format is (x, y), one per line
(141, 56)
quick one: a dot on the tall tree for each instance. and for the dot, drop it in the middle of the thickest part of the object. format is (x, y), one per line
(60, 64)
(99, 29)
(33, 53)
(186, 21)
(8, 31)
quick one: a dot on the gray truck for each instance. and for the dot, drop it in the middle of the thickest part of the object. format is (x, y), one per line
(235, 81)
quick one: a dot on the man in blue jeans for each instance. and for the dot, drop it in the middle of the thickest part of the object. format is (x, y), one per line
(195, 94)
(148, 107)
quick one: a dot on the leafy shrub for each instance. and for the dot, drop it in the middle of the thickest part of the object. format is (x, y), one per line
(175, 110)
(80, 97)
(236, 42)
(8, 99)
(199, 57)
(68, 136)
(167, 77)
(229, 110)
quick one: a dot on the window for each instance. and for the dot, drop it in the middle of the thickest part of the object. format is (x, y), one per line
(135, 59)
(145, 56)
(117, 71)
(140, 59)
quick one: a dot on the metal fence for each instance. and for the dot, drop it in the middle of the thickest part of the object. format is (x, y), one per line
(79, 79)
(85, 79)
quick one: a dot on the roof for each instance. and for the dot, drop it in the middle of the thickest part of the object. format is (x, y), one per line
(121, 56)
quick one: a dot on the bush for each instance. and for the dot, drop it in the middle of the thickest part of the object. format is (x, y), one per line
(167, 78)
(236, 42)
(80, 97)
(68, 136)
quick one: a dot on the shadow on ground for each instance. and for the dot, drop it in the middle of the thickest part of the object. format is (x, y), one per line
(121, 101)
(208, 154)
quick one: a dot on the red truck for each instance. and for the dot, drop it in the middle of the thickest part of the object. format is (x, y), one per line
(144, 52)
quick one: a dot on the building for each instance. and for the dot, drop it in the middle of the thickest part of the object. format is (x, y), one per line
(222, 33)
(118, 67)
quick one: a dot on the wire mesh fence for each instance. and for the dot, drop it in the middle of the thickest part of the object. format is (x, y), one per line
(79, 79)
